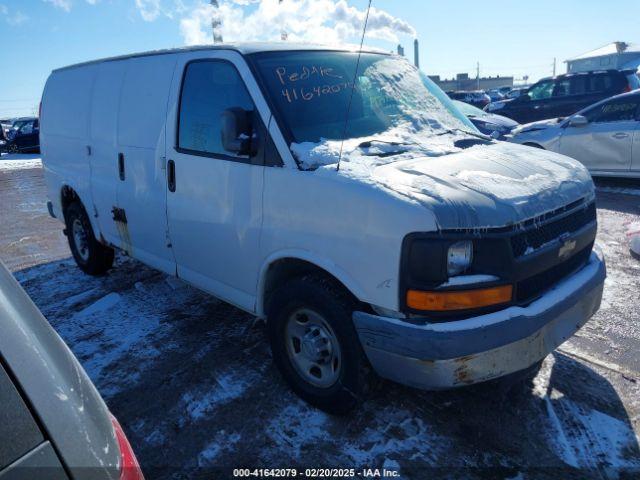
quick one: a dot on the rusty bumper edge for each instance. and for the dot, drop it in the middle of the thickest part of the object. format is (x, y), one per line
(440, 356)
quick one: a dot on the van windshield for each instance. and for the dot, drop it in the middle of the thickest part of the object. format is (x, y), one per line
(310, 92)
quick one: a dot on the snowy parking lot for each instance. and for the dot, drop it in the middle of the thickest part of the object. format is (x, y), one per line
(191, 379)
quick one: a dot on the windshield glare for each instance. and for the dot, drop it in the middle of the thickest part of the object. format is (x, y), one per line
(311, 91)
(469, 110)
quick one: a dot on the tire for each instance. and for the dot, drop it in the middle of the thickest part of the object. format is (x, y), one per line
(319, 308)
(90, 255)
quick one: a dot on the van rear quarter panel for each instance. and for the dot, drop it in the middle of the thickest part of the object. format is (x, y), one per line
(64, 134)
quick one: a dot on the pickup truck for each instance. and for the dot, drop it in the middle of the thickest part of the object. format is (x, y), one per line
(338, 194)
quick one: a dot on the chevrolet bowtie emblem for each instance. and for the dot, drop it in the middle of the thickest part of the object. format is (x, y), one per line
(567, 247)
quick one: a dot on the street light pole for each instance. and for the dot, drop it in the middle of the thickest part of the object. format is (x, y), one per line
(216, 23)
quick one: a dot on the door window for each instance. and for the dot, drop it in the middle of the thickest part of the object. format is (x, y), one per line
(27, 128)
(542, 90)
(619, 110)
(209, 88)
(601, 82)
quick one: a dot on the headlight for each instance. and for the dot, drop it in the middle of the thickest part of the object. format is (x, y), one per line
(459, 257)
(496, 106)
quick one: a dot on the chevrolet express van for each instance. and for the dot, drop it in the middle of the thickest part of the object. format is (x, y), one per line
(340, 195)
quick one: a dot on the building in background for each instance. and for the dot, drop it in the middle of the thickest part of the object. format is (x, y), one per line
(616, 56)
(464, 82)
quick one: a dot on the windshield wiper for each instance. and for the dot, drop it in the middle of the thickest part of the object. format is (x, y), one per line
(451, 131)
(390, 153)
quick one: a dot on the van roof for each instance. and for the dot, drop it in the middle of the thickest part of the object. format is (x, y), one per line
(244, 48)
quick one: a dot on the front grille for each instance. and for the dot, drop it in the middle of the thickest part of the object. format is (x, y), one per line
(529, 289)
(537, 236)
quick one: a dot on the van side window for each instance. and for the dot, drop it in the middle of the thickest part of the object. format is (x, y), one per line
(209, 88)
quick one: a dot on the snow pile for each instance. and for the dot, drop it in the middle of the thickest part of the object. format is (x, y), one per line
(19, 162)
(461, 280)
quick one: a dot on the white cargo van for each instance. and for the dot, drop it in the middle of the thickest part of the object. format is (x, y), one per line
(417, 248)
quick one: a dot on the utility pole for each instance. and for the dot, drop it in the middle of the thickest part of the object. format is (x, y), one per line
(478, 76)
(216, 22)
(283, 33)
(554, 66)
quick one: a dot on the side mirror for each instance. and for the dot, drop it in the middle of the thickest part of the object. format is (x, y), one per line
(578, 121)
(236, 131)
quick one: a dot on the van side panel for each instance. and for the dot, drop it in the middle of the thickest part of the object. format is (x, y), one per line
(104, 145)
(64, 135)
(142, 194)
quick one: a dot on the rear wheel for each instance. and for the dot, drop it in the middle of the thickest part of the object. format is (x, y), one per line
(91, 256)
(315, 345)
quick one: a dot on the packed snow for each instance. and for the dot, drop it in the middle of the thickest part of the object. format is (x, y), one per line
(18, 161)
(468, 280)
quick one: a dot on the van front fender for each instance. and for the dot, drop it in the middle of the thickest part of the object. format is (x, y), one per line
(320, 263)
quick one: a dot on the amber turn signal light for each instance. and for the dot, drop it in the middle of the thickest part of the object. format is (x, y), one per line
(459, 300)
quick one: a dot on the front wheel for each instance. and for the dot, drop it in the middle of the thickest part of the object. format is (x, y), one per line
(91, 256)
(315, 345)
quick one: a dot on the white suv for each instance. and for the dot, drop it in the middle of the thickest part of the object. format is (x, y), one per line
(417, 246)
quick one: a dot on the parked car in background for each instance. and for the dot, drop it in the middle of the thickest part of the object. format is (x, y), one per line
(495, 95)
(53, 422)
(477, 98)
(23, 136)
(516, 92)
(604, 137)
(565, 95)
(490, 124)
(5, 126)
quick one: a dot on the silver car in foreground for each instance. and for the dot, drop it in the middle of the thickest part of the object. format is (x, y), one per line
(605, 137)
(53, 423)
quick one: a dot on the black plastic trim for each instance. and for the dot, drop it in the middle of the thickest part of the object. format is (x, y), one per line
(493, 255)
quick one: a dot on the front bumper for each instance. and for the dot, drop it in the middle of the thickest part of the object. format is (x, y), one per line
(436, 356)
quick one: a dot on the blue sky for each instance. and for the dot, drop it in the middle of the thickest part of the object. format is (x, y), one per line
(518, 38)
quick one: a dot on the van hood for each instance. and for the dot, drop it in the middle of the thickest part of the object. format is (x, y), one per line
(486, 186)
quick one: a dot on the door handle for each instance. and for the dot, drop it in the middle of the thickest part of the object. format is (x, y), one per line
(620, 135)
(171, 175)
(121, 166)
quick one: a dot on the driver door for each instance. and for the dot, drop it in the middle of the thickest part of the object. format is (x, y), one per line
(605, 143)
(214, 196)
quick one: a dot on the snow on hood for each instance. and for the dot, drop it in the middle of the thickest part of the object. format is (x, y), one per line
(484, 186)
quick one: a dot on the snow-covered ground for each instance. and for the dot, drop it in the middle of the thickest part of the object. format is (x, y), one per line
(192, 382)
(19, 161)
